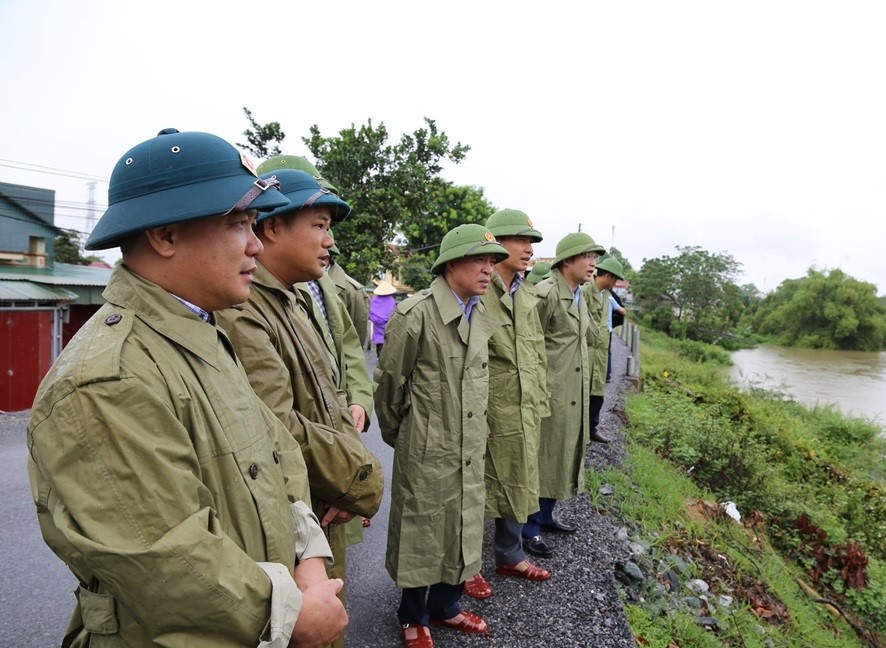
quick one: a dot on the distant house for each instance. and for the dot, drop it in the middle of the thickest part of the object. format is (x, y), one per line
(42, 303)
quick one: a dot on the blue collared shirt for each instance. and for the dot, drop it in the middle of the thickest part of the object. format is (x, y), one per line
(317, 294)
(468, 307)
(205, 316)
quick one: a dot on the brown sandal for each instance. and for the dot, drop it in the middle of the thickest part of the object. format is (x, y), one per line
(477, 587)
(531, 572)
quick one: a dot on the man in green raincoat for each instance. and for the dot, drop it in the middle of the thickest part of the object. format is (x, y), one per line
(597, 296)
(564, 434)
(431, 402)
(290, 367)
(351, 292)
(171, 491)
(517, 400)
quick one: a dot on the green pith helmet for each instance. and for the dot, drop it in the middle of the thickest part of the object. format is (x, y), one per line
(177, 177)
(303, 190)
(512, 222)
(576, 243)
(334, 249)
(540, 271)
(612, 266)
(297, 162)
(468, 240)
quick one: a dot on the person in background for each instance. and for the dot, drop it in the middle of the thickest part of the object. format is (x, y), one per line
(617, 313)
(431, 402)
(171, 491)
(564, 434)
(517, 400)
(351, 292)
(329, 313)
(381, 307)
(597, 297)
(289, 366)
(539, 272)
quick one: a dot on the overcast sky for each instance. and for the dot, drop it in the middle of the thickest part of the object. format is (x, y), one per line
(752, 128)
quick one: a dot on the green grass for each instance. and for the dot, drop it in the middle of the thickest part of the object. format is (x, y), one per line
(695, 436)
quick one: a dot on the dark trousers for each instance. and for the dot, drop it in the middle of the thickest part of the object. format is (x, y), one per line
(506, 543)
(545, 515)
(377, 350)
(609, 359)
(596, 406)
(418, 605)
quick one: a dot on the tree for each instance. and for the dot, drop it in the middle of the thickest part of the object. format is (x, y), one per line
(68, 248)
(824, 310)
(616, 253)
(258, 137)
(690, 289)
(391, 187)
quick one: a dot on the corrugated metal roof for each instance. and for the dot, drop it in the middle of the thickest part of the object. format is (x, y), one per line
(60, 274)
(18, 291)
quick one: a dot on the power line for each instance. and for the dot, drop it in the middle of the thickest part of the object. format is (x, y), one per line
(37, 168)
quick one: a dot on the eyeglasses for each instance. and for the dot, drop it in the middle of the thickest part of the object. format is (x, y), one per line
(591, 255)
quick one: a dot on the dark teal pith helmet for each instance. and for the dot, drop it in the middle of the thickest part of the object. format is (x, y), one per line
(303, 190)
(178, 177)
(574, 244)
(468, 240)
(540, 271)
(512, 222)
(612, 266)
(297, 162)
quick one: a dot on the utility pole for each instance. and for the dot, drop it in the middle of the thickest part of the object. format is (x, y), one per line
(90, 214)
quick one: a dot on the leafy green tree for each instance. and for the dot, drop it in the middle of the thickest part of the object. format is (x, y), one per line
(392, 188)
(690, 290)
(259, 137)
(68, 248)
(824, 310)
(615, 252)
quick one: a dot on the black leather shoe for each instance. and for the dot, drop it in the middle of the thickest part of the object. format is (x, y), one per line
(559, 527)
(595, 436)
(537, 547)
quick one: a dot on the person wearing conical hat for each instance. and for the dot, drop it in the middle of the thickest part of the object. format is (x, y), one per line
(380, 309)
(564, 434)
(597, 294)
(431, 404)
(289, 365)
(517, 400)
(173, 493)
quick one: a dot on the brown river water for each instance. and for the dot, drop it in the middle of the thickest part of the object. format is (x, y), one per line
(853, 381)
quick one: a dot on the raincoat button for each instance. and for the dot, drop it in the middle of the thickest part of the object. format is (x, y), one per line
(363, 475)
(110, 320)
(468, 462)
(573, 402)
(484, 365)
(578, 368)
(253, 471)
(470, 415)
(276, 456)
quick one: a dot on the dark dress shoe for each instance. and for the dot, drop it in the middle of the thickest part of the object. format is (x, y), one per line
(537, 547)
(595, 436)
(559, 527)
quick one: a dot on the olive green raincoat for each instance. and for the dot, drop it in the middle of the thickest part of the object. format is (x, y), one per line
(342, 341)
(292, 371)
(564, 434)
(166, 485)
(431, 403)
(351, 292)
(598, 335)
(518, 399)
